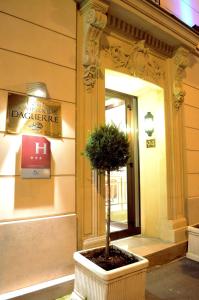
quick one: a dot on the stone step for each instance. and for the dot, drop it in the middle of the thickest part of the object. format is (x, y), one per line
(158, 252)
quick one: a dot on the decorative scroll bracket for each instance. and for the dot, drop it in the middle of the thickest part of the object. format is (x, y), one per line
(181, 61)
(95, 20)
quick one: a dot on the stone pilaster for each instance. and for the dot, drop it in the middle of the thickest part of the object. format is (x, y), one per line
(90, 113)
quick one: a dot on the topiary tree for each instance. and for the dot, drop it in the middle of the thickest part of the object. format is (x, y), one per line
(108, 150)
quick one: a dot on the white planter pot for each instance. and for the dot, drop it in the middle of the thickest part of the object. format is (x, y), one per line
(193, 243)
(94, 283)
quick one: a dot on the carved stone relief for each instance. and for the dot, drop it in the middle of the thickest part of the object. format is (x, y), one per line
(94, 25)
(181, 61)
(137, 61)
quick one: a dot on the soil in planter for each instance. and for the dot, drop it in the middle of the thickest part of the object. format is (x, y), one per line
(116, 259)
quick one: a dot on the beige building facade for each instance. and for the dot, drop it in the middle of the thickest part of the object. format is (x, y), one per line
(81, 49)
(37, 216)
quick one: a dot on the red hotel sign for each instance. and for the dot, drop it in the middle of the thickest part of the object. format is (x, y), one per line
(36, 156)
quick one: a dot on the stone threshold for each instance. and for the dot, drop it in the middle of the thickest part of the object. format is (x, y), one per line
(158, 252)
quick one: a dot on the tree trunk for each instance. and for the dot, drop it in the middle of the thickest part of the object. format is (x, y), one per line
(108, 217)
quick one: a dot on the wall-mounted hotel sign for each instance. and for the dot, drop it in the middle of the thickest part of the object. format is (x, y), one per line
(28, 114)
(36, 156)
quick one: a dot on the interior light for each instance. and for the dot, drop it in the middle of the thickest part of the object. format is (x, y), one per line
(149, 125)
(126, 84)
(40, 93)
(37, 89)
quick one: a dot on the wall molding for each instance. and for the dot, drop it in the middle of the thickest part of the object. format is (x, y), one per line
(178, 32)
(119, 25)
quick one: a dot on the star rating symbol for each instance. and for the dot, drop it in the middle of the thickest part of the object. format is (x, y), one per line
(36, 157)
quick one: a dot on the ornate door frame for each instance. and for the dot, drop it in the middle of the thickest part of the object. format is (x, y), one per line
(100, 46)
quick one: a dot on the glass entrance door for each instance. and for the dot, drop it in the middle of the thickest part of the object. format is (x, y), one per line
(121, 110)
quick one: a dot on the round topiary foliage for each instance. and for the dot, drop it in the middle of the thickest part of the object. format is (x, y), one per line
(107, 148)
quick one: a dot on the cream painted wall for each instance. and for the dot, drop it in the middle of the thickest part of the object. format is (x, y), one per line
(152, 163)
(37, 44)
(191, 141)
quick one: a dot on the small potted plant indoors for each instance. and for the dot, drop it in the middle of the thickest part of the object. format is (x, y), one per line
(108, 272)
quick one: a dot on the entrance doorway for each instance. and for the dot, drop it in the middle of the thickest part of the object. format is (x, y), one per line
(148, 178)
(121, 109)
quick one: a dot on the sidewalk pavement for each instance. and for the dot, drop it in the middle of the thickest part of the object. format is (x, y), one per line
(177, 280)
